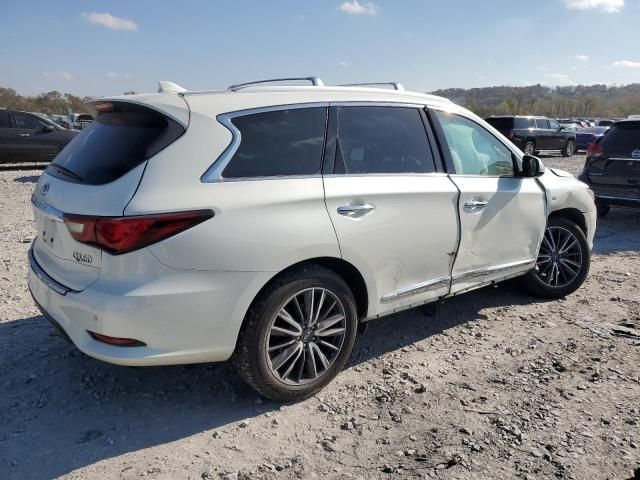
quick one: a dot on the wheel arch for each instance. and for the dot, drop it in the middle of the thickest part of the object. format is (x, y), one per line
(572, 214)
(345, 270)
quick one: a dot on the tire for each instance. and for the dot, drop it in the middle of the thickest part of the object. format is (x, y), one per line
(529, 148)
(602, 208)
(259, 360)
(547, 281)
(569, 149)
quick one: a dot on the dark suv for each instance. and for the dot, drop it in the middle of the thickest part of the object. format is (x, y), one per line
(26, 137)
(535, 134)
(612, 169)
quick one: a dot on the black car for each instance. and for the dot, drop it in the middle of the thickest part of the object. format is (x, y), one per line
(26, 137)
(535, 134)
(612, 169)
(587, 136)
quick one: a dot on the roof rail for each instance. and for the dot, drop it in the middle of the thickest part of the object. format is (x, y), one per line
(394, 85)
(315, 81)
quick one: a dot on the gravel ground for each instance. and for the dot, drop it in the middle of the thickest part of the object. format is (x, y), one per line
(495, 385)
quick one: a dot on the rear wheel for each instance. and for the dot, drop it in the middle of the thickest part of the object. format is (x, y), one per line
(298, 334)
(569, 149)
(602, 208)
(529, 148)
(563, 261)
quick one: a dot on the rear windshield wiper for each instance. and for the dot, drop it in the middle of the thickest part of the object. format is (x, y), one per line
(66, 171)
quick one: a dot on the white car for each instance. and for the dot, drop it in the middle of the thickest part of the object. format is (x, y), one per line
(265, 223)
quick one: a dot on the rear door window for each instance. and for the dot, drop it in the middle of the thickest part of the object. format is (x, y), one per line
(279, 143)
(4, 119)
(504, 124)
(524, 123)
(622, 139)
(382, 140)
(114, 144)
(542, 123)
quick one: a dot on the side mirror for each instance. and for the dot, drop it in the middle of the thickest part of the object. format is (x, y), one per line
(48, 128)
(531, 167)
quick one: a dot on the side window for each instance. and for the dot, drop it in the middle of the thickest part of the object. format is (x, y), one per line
(279, 143)
(554, 125)
(27, 122)
(4, 119)
(474, 150)
(542, 123)
(382, 140)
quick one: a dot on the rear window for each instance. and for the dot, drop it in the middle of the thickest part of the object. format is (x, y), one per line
(622, 138)
(524, 123)
(114, 144)
(502, 124)
(279, 143)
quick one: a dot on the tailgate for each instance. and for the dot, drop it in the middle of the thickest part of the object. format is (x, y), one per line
(615, 171)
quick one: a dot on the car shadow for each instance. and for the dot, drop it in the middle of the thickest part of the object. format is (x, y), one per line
(62, 410)
(27, 179)
(619, 231)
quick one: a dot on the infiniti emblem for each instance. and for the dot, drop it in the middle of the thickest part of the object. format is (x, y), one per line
(45, 189)
(635, 154)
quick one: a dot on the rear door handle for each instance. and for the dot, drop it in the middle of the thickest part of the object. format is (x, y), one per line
(473, 206)
(355, 211)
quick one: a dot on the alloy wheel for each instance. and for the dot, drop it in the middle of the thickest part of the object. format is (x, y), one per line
(529, 148)
(560, 258)
(306, 336)
(570, 148)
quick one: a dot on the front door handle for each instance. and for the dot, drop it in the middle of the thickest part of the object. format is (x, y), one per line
(473, 206)
(355, 211)
(23, 134)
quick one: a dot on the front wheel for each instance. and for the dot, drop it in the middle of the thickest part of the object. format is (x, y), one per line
(569, 149)
(298, 334)
(563, 261)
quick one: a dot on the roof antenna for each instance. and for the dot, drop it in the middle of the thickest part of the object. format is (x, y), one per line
(165, 86)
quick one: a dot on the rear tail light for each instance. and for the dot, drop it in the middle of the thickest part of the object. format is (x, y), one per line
(118, 235)
(594, 149)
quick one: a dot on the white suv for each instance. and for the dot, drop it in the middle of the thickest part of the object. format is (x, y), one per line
(265, 223)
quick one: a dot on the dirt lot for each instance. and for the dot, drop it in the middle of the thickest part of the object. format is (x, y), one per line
(496, 385)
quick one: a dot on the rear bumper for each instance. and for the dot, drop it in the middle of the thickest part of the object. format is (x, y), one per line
(182, 316)
(613, 195)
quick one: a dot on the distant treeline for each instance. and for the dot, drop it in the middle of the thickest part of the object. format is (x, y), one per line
(575, 101)
(50, 102)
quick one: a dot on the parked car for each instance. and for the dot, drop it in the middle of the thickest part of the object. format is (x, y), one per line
(59, 120)
(265, 224)
(605, 122)
(587, 136)
(535, 134)
(26, 137)
(612, 168)
(77, 121)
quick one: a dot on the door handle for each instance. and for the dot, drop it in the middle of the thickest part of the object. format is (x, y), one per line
(24, 135)
(355, 211)
(473, 206)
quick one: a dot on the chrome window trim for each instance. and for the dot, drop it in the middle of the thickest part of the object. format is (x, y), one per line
(44, 277)
(214, 173)
(416, 289)
(385, 175)
(46, 209)
(364, 103)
